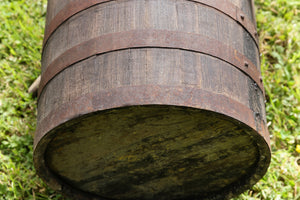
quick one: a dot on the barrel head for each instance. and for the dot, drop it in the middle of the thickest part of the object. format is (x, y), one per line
(154, 152)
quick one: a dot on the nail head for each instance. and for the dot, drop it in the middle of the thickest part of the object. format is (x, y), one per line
(242, 16)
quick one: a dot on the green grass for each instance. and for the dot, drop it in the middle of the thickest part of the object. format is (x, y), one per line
(279, 29)
(21, 34)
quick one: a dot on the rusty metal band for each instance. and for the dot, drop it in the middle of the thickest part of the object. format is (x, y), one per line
(151, 39)
(224, 6)
(150, 95)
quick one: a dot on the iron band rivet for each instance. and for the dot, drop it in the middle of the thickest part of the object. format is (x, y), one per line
(242, 16)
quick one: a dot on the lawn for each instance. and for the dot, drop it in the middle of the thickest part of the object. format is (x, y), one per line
(21, 35)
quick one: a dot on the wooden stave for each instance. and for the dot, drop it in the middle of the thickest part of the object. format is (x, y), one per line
(253, 108)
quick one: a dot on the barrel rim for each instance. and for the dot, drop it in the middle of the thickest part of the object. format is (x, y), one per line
(152, 94)
(237, 188)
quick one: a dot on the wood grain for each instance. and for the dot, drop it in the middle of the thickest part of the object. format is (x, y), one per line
(122, 16)
(153, 152)
(150, 122)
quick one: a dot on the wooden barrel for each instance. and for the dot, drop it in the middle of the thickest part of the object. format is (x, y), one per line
(151, 99)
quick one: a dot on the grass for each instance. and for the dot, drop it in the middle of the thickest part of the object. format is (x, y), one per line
(279, 29)
(21, 34)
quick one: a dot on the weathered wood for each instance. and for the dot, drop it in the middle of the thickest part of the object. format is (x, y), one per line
(151, 117)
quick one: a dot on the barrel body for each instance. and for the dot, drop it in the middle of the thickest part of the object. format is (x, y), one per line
(151, 99)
